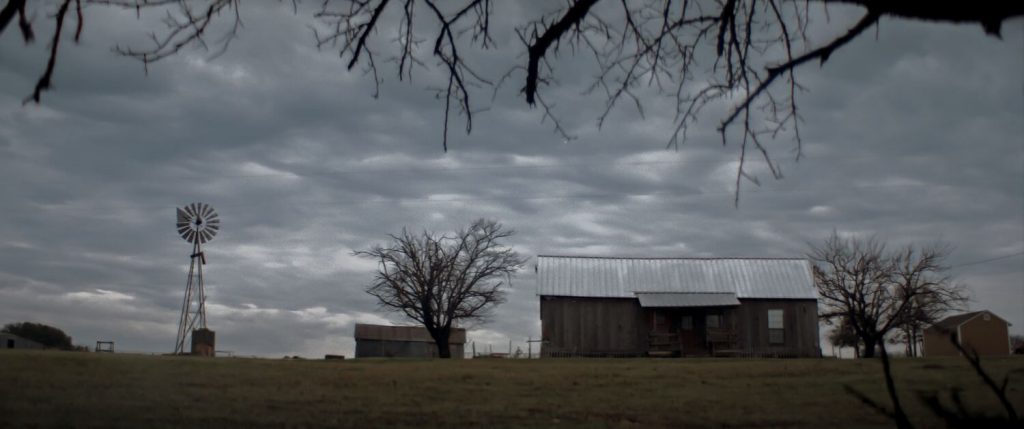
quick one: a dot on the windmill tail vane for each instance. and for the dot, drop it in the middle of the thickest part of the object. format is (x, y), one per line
(197, 223)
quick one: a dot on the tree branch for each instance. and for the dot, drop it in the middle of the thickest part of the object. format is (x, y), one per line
(45, 80)
(540, 45)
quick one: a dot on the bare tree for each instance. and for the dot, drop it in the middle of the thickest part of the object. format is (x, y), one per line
(918, 270)
(442, 280)
(737, 51)
(877, 292)
(842, 335)
(1016, 344)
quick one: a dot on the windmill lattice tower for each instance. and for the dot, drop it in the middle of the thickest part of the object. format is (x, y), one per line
(197, 223)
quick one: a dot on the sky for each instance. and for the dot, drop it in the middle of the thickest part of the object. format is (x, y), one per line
(913, 133)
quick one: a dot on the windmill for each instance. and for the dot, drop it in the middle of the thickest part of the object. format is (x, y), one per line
(197, 223)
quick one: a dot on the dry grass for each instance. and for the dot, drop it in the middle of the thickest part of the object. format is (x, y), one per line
(63, 389)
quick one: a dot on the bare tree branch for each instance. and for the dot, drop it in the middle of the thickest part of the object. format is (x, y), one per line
(697, 52)
(352, 30)
(542, 42)
(440, 280)
(875, 292)
(7, 14)
(186, 26)
(998, 389)
(44, 81)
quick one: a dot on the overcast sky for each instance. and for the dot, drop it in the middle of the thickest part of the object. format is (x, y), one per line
(915, 135)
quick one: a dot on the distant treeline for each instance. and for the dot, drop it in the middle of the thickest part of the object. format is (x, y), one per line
(48, 336)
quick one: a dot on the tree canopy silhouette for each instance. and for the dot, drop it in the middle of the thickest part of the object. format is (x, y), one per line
(441, 280)
(874, 292)
(46, 335)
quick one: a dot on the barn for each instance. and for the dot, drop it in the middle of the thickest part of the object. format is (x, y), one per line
(609, 306)
(11, 341)
(981, 331)
(403, 342)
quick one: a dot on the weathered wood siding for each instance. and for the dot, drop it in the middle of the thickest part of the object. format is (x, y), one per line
(404, 333)
(800, 327)
(403, 341)
(403, 349)
(582, 326)
(619, 326)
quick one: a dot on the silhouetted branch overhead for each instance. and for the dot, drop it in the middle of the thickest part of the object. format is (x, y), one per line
(352, 27)
(695, 52)
(958, 416)
(998, 389)
(187, 27)
(45, 81)
(7, 14)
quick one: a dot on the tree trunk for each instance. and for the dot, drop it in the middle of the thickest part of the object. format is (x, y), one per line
(913, 342)
(441, 340)
(869, 348)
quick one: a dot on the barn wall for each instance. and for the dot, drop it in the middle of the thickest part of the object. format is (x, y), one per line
(987, 337)
(402, 349)
(619, 326)
(800, 325)
(936, 343)
(404, 333)
(581, 326)
(10, 341)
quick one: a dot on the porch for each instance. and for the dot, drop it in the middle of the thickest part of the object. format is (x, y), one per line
(690, 324)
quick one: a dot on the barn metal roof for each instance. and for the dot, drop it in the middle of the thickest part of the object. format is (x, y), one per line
(687, 299)
(953, 322)
(608, 277)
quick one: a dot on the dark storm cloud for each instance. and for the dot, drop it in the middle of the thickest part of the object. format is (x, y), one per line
(914, 137)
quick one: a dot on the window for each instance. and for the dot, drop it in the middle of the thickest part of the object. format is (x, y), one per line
(686, 323)
(776, 331)
(713, 321)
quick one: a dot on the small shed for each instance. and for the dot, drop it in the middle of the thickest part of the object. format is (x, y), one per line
(403, 342)
(981, 331)
(11, 341)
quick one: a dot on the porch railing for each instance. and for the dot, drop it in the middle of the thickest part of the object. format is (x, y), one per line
(721, 340)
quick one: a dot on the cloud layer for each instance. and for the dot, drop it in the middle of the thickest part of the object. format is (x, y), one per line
(915, 136)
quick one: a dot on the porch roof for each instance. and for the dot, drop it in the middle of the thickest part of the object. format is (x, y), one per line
(687, 299)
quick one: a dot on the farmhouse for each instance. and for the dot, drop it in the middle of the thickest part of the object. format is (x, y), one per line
(403, 342)
(600, 306)
(982, 331)
(11, 341)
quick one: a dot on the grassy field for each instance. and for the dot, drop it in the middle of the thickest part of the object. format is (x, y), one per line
(65, 389)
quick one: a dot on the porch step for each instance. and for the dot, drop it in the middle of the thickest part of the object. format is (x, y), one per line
(661, 353)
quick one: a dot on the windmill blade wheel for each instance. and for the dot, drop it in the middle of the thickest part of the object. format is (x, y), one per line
(197, 222)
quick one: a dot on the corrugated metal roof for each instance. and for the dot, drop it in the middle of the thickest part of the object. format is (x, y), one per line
(687, 299)
(585, 276)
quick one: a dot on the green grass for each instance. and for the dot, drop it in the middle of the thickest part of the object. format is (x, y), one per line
(64, 389)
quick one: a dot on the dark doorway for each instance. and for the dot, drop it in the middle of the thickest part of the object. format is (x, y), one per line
(10, 343)
(688, 334)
